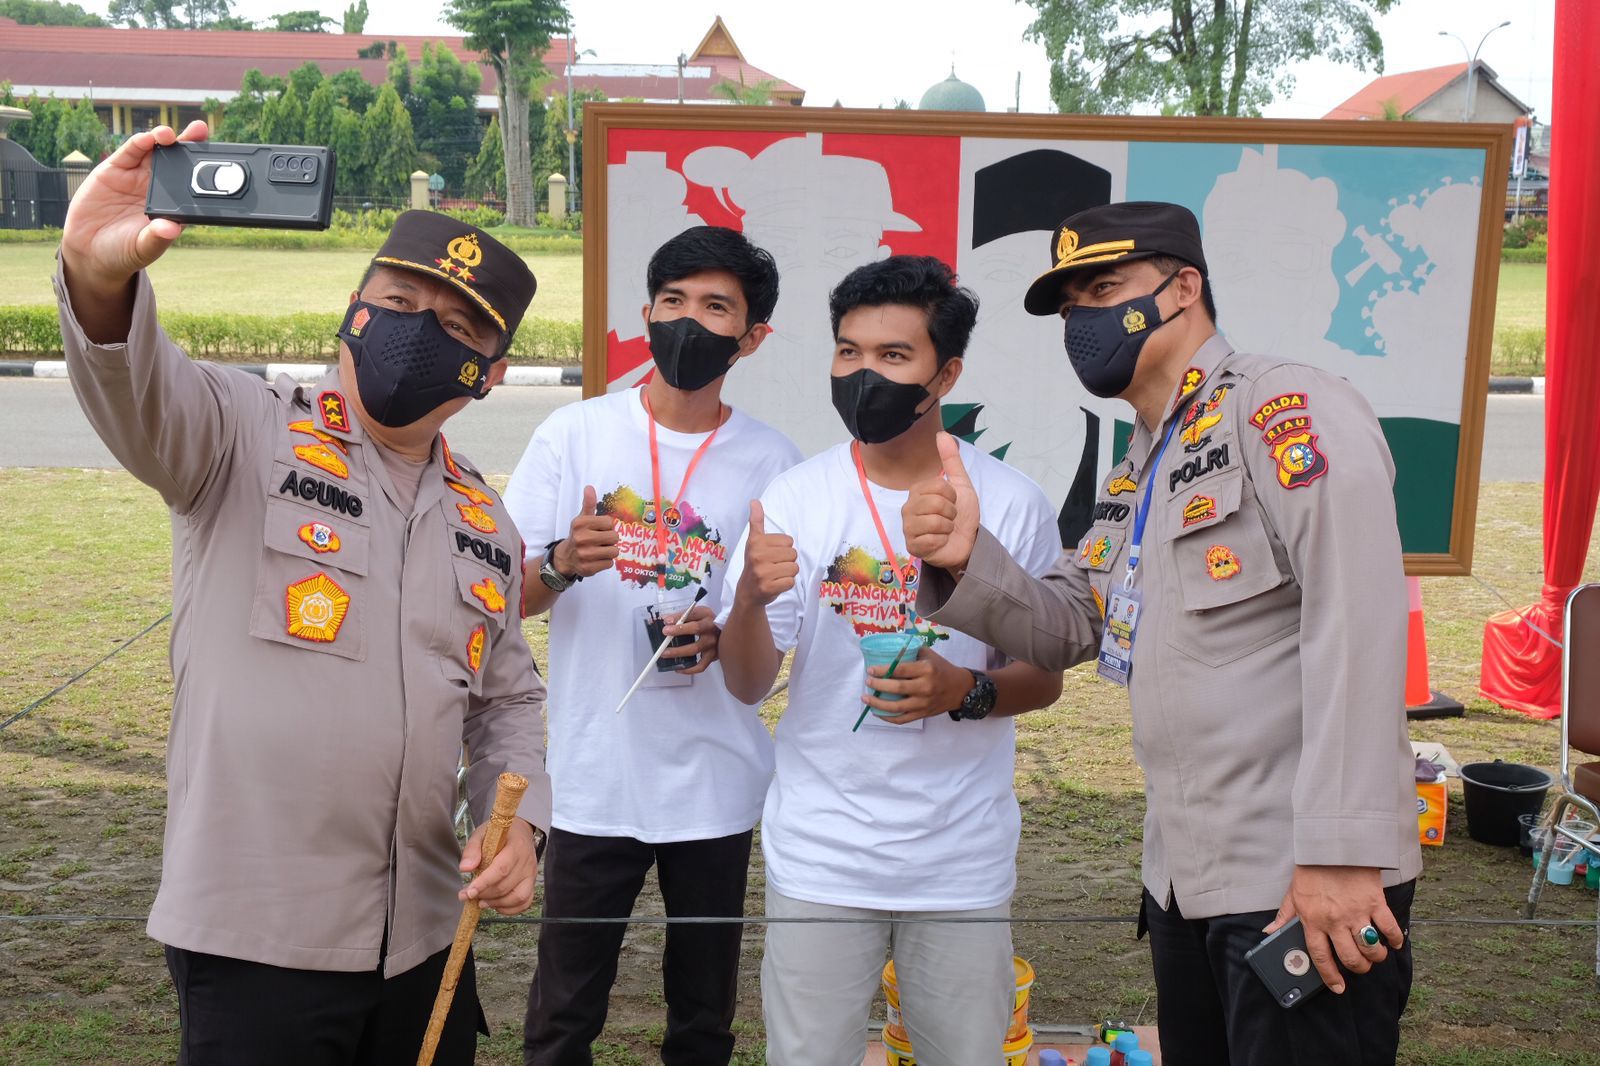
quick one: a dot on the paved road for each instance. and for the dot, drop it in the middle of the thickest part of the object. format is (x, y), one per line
(40, 425)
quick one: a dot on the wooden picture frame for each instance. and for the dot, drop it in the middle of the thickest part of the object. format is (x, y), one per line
(1446, 521)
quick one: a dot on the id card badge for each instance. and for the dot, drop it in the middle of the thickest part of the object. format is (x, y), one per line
(649, 622)
(1116, 643)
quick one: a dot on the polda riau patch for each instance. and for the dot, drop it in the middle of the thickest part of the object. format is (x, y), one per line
(1299, 460)
(316, 607)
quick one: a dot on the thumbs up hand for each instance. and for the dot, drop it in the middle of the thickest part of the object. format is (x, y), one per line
(771, 563)
(591, 545)
(940, 517)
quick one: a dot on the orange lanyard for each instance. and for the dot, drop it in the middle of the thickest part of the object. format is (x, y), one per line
(883, 534)
(655, 484)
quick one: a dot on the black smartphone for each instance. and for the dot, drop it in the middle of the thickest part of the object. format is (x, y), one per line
(1285, 967)
(271, 186)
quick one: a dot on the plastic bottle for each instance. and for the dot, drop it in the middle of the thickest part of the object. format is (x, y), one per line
(1140, 1058)
(1099, 1055)
(1121, 1046)
(1052, 1057)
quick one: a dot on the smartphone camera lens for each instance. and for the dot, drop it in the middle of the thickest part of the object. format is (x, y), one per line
(294, 162)
(278, 162)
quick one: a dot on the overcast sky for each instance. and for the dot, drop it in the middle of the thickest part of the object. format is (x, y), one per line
(866, 53)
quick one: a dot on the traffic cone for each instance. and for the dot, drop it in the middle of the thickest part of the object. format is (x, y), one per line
(1421, 700)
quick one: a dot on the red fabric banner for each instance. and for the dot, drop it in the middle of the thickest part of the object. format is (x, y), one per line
(1521, 669)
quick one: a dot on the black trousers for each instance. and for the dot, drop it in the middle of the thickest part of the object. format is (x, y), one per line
(600, 877)
(1213, 1010)
(238, 1013)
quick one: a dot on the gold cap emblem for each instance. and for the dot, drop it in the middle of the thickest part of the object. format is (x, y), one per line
(1066, 244)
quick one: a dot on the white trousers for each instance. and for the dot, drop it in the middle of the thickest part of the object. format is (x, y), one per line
(817, 984)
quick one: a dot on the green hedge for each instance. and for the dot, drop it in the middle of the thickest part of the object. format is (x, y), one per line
(1534, 253)
(526, 242)
(274, 338)
(1518, 352)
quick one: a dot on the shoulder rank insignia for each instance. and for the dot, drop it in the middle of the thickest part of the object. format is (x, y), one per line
(319, 537)
(1289, 401)
(449, 460)
(487, 591)
(477, 518)
(475, 642)
(323, 458)
(474, 496)
(1120, 484)
(1191, 380)
(306, 426)
(1299, 461)
(316, 608)
(1199, 509)
(1221, 563)
(335, 415)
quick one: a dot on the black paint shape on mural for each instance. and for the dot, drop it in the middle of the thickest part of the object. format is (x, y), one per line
(1077, 513)
(1033, 191)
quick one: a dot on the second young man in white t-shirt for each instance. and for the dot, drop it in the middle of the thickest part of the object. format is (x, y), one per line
(912, 813)
(630, 503)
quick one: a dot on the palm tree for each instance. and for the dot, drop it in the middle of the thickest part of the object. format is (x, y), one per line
(758, 94)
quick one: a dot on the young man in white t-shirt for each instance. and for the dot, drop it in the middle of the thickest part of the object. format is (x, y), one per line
(913, 813)
(630, 503)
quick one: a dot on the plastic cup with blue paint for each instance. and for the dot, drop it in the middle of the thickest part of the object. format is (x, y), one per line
(883, 649)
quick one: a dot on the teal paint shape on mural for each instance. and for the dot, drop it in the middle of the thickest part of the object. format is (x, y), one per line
(1424, 483)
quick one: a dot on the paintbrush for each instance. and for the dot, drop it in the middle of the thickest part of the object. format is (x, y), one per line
(651, 665)
(911, 638)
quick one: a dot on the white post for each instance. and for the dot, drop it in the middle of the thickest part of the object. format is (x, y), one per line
(558, 195)
(419, 190)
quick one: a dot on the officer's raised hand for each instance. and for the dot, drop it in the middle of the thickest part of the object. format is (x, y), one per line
(591, 545)
(770, 562)
(940, 517)
(107, 238)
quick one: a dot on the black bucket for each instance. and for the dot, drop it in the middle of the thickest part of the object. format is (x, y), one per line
(1497, 793)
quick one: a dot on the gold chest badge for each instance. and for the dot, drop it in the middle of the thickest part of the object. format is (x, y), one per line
(316, 607)
(477, 518)
(323, 458)
(487, 591)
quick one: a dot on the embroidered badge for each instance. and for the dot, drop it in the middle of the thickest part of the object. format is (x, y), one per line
(1299, 461)
(1289, 401)
(449, 460)
(305, 426)
(487, 591)
(1199, 509)
(1120, 484)
(319, 537)
(334, 414)
(359, 320)
(465, 253)
(316, 608)
(1133, 321)
(1099, 601)
(477, 518)
(1287, 426)
(323, 458)
(1100, 550)
(1192, 379)
(469, 374)
(1066, 244)
(475, 496)
(1201, 418)
(1221, 563)
(475, 642)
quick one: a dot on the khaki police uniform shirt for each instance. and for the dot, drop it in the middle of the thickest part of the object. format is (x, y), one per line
(331, 654)
(1269, 660)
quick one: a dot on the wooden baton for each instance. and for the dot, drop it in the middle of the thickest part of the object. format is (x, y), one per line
(507, 794)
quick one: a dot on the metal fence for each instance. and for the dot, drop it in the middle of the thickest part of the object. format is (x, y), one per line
(33, 199)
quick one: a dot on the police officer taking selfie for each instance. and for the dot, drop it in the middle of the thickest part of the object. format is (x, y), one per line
(345, 619)
(1243, 579)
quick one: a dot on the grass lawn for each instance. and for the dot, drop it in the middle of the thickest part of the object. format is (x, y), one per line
(82, 798)
(253, 282)
(1520, 302)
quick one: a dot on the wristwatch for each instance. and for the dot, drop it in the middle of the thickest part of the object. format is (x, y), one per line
(554, 579)
(979, 702)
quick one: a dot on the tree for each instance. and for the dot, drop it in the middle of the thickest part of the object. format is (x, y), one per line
(1226, 57)
(443, 106)
(550, 154)
(400, 72)
(241, 116)
(319, 115)
(310, 21)
(283, 119)
(48, 13)
(350, 167)
(389, 149)
(176, 14)
(486, 177)
(37, 134)
(355, 17)
(80, 130)
(305, 78)
(510, 36)
(757, 95)
(353, 91)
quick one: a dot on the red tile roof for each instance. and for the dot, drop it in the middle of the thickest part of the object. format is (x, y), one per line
(1407, 91)
(214, 61)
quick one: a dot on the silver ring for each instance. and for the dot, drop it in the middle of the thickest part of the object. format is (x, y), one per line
(1369, 935)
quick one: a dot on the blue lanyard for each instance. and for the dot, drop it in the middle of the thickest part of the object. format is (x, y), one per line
(1143, 512)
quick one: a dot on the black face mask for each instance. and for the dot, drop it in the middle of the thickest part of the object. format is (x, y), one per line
(688, 356)
(1104, 342)
(407, 364)
(876, 409)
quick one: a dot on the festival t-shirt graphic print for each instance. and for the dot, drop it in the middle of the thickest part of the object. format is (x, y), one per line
(866, 592)
(693, 547)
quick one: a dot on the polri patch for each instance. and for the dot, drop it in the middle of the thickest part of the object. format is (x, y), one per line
(1289, 401)
(489, 593)
(316, 607)
(335, 415)
(323, 458)
(319, 537)
(1221, 562)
